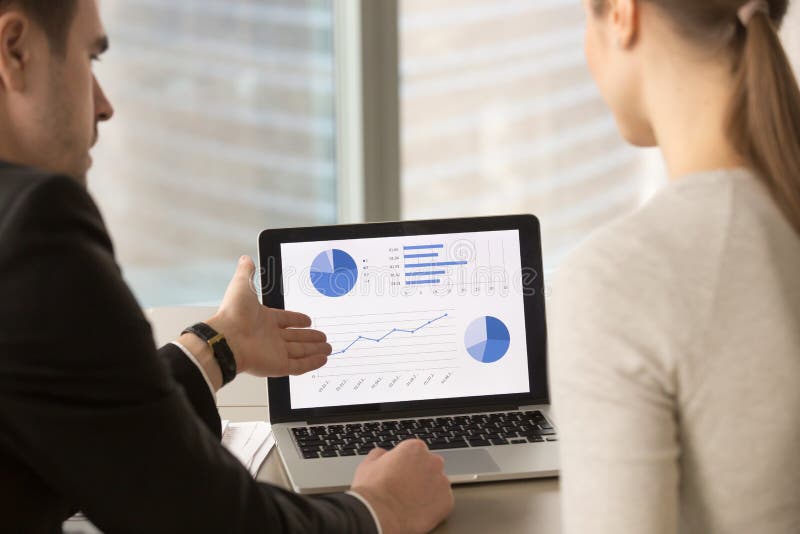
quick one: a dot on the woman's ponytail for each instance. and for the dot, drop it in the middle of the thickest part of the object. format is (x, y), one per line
(764, 120)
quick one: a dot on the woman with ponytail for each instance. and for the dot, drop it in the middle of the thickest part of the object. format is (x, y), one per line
(675, 345)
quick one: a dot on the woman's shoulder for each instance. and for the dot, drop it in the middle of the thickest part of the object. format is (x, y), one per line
(681, 225)
(649, 276)
(662, 259)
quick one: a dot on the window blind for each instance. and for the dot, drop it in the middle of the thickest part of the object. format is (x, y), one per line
(500, 115)
(224, 126)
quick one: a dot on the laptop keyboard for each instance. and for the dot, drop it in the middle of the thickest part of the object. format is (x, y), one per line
(455, 432)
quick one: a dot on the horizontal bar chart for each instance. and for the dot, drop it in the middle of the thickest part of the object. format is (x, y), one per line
(426, 273)
(427, 255)
(421, 247)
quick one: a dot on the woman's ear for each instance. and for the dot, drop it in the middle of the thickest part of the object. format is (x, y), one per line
(15, 50)
(624, 16)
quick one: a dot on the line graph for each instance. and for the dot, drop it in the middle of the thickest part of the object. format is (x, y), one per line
(387, 334)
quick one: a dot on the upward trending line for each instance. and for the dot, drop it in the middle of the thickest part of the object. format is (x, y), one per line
(387, 334)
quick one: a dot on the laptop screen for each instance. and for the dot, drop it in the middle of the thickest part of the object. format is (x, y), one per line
(410, 318)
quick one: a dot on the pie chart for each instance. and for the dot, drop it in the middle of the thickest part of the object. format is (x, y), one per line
(334, 273)
(487, 339)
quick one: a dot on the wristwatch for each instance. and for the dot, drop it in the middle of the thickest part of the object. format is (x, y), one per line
(220, 348)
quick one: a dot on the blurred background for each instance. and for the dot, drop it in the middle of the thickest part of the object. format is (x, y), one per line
(233, 116)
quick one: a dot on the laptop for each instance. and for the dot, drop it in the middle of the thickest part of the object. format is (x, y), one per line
(438, 333)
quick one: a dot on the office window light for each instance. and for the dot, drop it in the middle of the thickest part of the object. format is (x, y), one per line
(500, 115)
(224, 126)
(227, 124)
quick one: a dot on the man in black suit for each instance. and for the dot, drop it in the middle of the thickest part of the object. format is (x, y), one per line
(92, 416)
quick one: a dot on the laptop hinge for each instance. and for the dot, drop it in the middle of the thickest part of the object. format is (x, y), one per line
(409, 414)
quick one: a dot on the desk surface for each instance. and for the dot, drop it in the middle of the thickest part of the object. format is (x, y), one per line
(528, 506)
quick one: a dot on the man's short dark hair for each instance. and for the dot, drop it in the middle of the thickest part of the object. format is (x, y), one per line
(54, 16)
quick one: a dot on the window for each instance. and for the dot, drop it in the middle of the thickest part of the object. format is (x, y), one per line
(500, 116)
(224, 126)
(238, 115)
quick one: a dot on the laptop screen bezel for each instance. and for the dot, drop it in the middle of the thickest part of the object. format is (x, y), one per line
(272, 295)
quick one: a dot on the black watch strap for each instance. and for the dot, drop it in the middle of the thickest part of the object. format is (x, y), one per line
(220, 348)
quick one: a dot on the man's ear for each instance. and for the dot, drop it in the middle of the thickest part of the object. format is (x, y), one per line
(625, 21)
(15, 52)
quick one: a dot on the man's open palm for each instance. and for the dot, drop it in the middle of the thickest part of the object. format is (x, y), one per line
(266, 341)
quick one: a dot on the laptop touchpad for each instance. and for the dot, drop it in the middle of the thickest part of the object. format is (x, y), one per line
(468, 462)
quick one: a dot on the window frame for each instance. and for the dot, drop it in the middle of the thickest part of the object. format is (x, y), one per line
(366, 55)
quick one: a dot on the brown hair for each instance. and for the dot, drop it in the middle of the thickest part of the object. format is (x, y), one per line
(54, 16)
(764, 116)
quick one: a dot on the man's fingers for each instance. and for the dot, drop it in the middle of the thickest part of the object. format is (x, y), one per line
(305, 349)
(246, 268)
(290, 319)
(438, 462)
(374, 454)
(303, 335)
(304, 365)
(413, 445)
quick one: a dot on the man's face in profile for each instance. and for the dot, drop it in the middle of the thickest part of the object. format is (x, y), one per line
(58, 107)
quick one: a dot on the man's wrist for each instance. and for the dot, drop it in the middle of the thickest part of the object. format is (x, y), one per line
(204, 357)
(386, 521)
(191, 357)
(369, 508)
(227, 328)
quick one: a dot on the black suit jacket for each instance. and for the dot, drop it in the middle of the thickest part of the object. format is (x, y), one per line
(92, 416)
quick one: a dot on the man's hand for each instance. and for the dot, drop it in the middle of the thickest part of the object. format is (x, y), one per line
(264, 341)
(406, 487)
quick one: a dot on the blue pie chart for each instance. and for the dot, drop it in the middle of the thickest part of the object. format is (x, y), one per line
(334, 273)
(487, 339)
